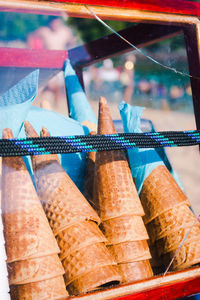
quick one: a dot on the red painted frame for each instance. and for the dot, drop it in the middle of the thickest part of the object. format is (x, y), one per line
(55, 59)
(167, 6)
(32, 58)
(169, 292)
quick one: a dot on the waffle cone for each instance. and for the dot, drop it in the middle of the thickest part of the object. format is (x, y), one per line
(173, 240)
(130, 251)
(53, 288)
(98, 278)
(62, 201)
(89, 175)
(160, 193)
(170, 221)
(188, 255)
(114, 191)
(27, 245)
(123, 229)
(33, 270)
(85, 260)
(79, 236)
(134, 271)
(20, 204)
(23, 221)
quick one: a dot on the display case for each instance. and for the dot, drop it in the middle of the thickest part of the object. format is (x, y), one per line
(150, 22)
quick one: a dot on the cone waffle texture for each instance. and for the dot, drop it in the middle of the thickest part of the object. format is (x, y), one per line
(114, 192)
(160, 193)
(124, 228)
(33, 270)
(97, 278)
(130, 251)
(134, 271)
(20, 203)
(173, 240)
(37, 242)
(53, 288)
(114, 188)
(79, 236)
(188, 255)
(170, 221)
(85, 260)
(62, 201)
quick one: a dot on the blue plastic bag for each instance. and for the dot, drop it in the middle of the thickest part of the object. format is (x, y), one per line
(16, 102)
(16, 107)
(79, 107)
(59, 125)
(142, 161)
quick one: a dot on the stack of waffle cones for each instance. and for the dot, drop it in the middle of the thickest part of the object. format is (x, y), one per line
(86, 260)
(34, 268)
(169, 219)
(119, 207)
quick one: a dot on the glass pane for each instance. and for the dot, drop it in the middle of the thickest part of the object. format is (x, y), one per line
(93, 217)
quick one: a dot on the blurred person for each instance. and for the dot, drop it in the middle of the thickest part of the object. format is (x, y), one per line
(57, 36)
(127, 78)
(107, 72)
(109, 78)
(175, 95)
(144, 86)
(92, 82)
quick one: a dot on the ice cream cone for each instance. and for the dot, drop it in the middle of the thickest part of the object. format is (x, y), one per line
(97, 278)
(27, 245)
(85, 260)
(53, 288)
(19, 203)
(114, 190)
(173, 240)
(89, 175)
(79, 236)
(186, 256)
(170, 221)
(160, 192)
(134, 271)
(33, 270)
(130, 251)
(124, 228)
(62, 201)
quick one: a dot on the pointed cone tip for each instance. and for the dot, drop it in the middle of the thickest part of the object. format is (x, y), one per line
(29, 130)
(44, 132)
(93, 132)
(7, 133)
(102, 100)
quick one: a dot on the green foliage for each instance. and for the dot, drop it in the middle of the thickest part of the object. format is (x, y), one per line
(89, 29)
(14, 26)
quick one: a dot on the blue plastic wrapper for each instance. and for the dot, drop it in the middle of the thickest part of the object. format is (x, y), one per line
(142, 161)
(79, 107)
(59, 125)
(16, 107)
(16, 102)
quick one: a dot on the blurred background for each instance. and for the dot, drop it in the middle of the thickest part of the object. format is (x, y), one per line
(130, 77)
